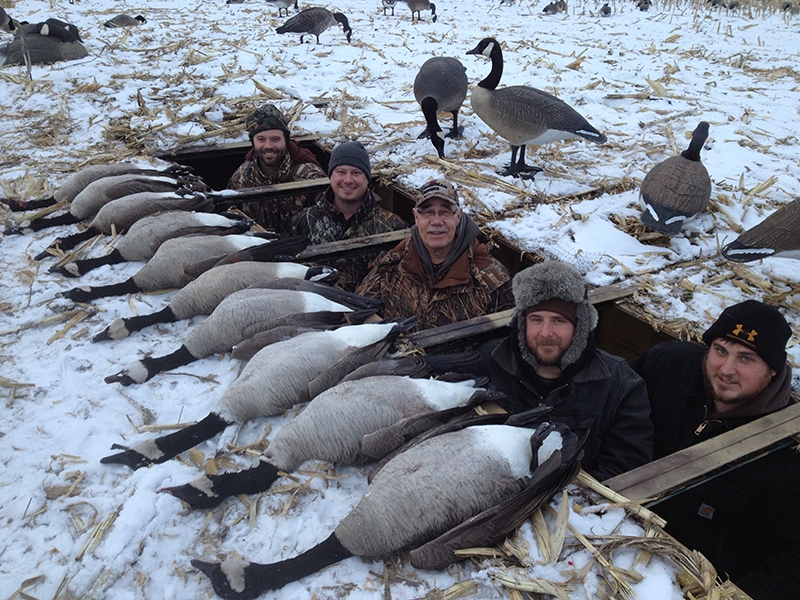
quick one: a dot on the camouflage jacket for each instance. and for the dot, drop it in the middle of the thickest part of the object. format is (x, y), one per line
(475, 285)
(276, 215)
(323, 222)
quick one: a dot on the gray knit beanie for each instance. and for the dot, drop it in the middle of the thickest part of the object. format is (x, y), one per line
(553, 280)
(352, 154)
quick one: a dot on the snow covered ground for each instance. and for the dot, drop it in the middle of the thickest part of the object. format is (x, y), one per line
(188, 76)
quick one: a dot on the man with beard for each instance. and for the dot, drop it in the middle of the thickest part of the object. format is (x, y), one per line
(550, 358)
(274, 158)
(444, 272)
(745, 521)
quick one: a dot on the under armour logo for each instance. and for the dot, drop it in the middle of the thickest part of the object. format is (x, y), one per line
(739, 331)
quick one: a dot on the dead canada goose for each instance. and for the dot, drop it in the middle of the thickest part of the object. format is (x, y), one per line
(465, 488)
(144, 237)
(417, 5)
(276, 378)
(315, 20)
(777, 235)
(390, 4)
(678, 188)
(284, 5)
(32, 47)
(524, 115)
(64, 32)
(440, 86)
(125, 21)
(204, 294)
(332, 427)
(605, 10)
(166, 269)
(238, 316)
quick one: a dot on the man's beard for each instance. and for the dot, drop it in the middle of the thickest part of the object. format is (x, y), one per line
(711, 393)
(549, 362)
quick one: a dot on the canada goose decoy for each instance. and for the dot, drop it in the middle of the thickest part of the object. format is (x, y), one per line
(145, 236)
(204, 294)
(42, 43)
(605, 10)
(315, 20)
(7, 24)
(417, 5)
(461, 489)
(390, 4)
(284, 5)
(166, 269)
(62, 31)
(777, 235)
(524, 115)
(332, 427)
(678, 188)
(276, 378)
(440, 86)
(125, 21)
(555, 7)
(644, 5)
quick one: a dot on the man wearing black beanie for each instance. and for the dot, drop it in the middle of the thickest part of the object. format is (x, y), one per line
(745, 521)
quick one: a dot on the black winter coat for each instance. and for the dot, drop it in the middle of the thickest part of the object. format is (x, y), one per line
(605, 398)
(745, 521)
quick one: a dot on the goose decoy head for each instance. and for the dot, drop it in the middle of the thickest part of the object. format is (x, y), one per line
(484, 47)
(340, 18)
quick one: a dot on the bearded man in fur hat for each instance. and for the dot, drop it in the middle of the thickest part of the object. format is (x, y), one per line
(550, 358)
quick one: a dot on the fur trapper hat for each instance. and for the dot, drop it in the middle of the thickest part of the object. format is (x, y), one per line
(547, 281)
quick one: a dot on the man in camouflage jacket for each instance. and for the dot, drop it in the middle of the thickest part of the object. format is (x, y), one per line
(444, 272)
(274, 158)
(348, 209)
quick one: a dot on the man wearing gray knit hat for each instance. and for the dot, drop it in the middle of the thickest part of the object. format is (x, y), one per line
(550, 358)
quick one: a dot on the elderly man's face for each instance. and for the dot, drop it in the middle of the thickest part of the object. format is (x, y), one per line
(734, 374)
(437, 221)
(270, 147)
(548, 335)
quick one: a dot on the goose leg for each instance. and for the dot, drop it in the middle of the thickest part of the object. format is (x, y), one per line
(519, 168)
(456, 132)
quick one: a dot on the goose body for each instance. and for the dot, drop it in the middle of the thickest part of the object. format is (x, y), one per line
(605, 10)
(418, 5)
(331, 428)
(284, 5)
(678, 188)
(495, 476)
(440, 86)
(390, 4)
(202, 295)
(146, 235)
(777, 235)
(125, 21)
(43, 45)
(524, 115)
(276, 378)
(314, 21)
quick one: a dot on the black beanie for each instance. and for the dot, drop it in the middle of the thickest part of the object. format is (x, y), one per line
(757, 326)
(352, 154)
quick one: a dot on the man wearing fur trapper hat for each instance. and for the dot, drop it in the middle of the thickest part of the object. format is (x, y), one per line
(745, 521)
(550, 358)
(274, 158)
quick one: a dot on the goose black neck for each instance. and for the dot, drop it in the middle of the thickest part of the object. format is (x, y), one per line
(277, 575)
(157, 364)
(699, 137)
(429, 108)
(139, 322)
(43, 223)
(102, 291)
(70, 241)
(87, 264)
(493, 79)
(250, 481)
(173, 444)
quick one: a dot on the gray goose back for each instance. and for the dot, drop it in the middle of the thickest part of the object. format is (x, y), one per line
(314, 20)
(777, 235)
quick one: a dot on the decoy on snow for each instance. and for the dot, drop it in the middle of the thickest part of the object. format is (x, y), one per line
(125, 21)
(276, 378)
(440, 86)
(166, 269)
(644, 5)
(332, 427)
(390, 4)
(460, 489)
(555, 7)
(678, 188)
(777, 235)
(146, 235)
(284, 5)
(605, 10)
(417, 5)
(315, 20)
(524, 115)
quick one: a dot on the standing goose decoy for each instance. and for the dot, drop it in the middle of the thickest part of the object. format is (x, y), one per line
(390, 4)
(125, 21)
(440, 86)
(276, 378)
(417, 5)
(457, 490)
(145, 236)
(315, 20)
(332, 427)
(284, 5)
(166, 269)
(605, 10)
(524, 115)
(777, 235)
(678, 188)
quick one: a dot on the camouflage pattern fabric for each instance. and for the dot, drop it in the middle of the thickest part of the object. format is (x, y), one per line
(323, 222)
(477, 284)
(275, 215)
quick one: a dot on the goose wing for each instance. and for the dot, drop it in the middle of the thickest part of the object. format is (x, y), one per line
(305, 21)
